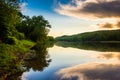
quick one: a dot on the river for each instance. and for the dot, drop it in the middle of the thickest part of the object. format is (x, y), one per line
(74, 61)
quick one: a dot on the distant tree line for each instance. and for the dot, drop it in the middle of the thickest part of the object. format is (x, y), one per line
(97, 36)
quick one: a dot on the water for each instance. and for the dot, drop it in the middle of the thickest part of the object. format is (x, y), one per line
(63, 61)
(74, 61)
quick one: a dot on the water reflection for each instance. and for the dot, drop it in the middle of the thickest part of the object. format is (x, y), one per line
(108, 69)
(110, 55)
(109, 47)
(39, 58)
(90, 71)
(32, 66)
(12, 65)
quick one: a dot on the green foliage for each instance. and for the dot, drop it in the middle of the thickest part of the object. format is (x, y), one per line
(23, 46)
(11, 57)
(10, 63)
(5, 48)
(104, 35)
(50, 38)
(9, 18)
(20, 36)
(16, 25)
(14, 28)
(35, 28)
(6, 55)
(11, 40)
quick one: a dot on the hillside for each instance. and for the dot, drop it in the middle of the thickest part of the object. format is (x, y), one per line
(96, 36)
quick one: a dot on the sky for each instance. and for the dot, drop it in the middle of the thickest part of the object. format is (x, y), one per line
(69, 17)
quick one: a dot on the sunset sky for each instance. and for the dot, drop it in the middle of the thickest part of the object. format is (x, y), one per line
(75, 16)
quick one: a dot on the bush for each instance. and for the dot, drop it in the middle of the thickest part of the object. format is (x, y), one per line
(20, 36)
(11, 40)
(50, 38)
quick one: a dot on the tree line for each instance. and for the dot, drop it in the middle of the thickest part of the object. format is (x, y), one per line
(96, 36)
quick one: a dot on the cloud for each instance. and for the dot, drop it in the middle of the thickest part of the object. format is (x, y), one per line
(90, 71)
(24, 76)
(90, 9)
(106, 25)
(22, 6)
(118, 24)
(110, 25)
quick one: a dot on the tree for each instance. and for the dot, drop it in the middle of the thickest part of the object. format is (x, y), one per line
(9, 18)
(35, 28)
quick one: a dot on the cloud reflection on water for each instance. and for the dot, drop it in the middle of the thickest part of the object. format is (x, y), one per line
(90, 71)
(110, 55)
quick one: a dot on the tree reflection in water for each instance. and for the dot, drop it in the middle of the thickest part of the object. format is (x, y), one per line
(39, 60)
(12, 65)
(95, 46)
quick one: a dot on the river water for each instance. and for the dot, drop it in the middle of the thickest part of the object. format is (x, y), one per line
(72, 61)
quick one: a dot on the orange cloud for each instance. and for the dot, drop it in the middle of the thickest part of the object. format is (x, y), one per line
(110, 25)
(92, 10)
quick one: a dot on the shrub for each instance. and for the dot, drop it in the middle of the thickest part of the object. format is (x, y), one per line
(11, 40)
